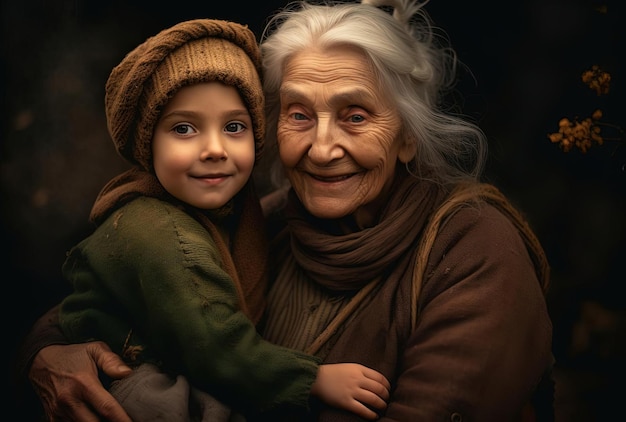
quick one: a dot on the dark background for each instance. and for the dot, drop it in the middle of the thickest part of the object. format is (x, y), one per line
(525, 59)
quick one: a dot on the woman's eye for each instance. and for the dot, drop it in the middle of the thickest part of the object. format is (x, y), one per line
(234, 127)
(299, 116)
(357, 118)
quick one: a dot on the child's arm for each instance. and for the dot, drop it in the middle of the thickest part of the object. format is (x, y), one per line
(352, 387)
(152, 268)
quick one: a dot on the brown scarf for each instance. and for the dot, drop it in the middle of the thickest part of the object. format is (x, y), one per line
(245, 262)
(339, 261)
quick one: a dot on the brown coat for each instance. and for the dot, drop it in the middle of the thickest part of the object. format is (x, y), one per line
(483, 337)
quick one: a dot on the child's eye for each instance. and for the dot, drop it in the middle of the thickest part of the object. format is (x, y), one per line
(235, 127)
(183, 129)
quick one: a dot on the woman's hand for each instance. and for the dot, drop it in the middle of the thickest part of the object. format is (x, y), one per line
(66, 379)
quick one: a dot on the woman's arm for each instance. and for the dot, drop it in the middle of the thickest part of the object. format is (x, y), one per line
(483, 339)
(65, 377)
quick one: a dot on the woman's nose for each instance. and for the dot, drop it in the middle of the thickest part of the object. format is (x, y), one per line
(326, 143)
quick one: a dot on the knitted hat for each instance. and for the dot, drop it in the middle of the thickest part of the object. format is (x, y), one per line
(190, 52)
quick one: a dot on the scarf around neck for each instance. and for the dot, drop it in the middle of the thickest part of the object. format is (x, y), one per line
(340, 261)
(246, 259)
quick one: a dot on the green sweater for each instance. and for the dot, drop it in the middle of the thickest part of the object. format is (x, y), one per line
(152, 268)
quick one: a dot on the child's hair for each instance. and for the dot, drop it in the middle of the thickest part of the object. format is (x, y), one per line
(191, 52)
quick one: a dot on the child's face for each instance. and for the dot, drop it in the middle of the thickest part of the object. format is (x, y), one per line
(203, 145)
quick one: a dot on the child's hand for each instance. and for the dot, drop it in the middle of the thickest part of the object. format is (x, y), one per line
(352, 387)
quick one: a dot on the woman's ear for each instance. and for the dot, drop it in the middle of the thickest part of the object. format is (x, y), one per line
(408, 150)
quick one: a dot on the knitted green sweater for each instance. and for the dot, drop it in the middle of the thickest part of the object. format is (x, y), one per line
(153, 269)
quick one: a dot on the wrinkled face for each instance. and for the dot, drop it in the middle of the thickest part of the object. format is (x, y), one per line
(203, 145)
(338, 134)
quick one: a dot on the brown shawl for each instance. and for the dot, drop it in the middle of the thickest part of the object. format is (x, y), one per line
(245, 261)
(389, 250)
(340, 261)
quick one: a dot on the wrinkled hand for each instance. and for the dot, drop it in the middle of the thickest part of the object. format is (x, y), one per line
(66, 379)
(352, 387)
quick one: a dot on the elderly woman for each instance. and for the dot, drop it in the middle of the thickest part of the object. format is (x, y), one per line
(393, 254)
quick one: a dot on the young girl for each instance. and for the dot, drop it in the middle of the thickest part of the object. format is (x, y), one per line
(174, 275)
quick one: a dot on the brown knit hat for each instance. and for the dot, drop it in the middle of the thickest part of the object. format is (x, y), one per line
(190, 52)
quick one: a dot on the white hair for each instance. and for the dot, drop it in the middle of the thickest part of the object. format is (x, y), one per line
(411, 62)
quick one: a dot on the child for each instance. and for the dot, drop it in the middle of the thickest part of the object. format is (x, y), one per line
(174, 275)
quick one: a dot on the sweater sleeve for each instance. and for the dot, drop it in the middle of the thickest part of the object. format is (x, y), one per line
(45, 332)
(483, 339)
(152, 268)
